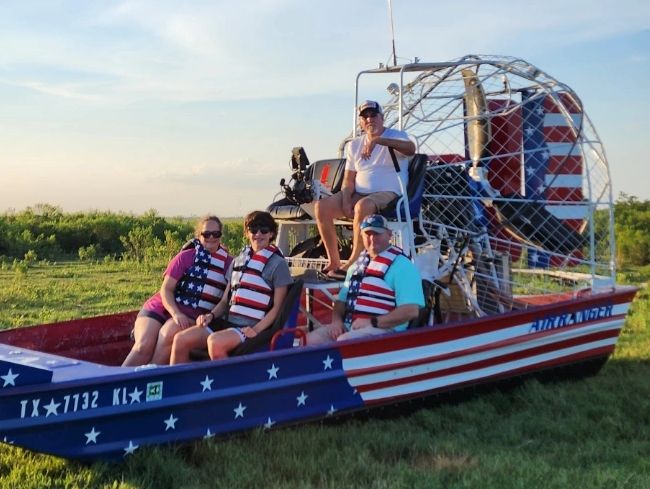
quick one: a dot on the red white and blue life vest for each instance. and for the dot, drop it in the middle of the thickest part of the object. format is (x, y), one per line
(251, 296)
(373, 296)
(205, 281)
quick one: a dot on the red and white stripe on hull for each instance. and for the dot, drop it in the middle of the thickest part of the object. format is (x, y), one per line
(465, 358)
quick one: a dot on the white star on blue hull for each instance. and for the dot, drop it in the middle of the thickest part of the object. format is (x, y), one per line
(130, 449)
(170, 423)
(207, 384)
(9, 378)
(92, 435)
(239, 411)
(327, 363)
(135, 395)
(52, 408)
(302, 398)
(273, 372)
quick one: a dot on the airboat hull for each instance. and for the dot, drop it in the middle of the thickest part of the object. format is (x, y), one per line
(74, 407)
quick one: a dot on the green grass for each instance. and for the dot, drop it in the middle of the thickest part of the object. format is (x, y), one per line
(592, 433)
(61, 291)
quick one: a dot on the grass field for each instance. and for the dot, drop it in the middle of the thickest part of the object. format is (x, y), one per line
(592, 433)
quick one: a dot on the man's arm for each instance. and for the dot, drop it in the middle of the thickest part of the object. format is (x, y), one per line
(399, 315)
(335, 328)
(404, 146)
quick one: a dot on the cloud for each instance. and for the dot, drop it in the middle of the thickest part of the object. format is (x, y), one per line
(224, 50)
(244, 172)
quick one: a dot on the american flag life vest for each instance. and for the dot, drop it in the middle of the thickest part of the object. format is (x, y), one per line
(251, 296)
(374, 297)
(205, 281)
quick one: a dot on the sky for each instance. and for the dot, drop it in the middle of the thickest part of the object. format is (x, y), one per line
(193, 107)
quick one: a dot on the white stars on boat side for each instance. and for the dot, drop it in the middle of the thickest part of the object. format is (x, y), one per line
(327, 363)
(302, 398)
(170, 423)
(207, 384)
(9, 378)
(239, 411)
(52, 408)
(130, 449)
(273, 372)
(92, 435)
(135, 395)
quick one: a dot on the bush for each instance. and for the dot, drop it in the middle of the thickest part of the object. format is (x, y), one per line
(632, 235)
(30, 257)
(88, 253)
(52, 233)
(233, 237)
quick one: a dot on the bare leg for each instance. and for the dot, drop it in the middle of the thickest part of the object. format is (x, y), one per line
(221, 342)
(145, 331)
(164, 344)
(320, 336)
(185, 341)
(326, 211)
(364, 207)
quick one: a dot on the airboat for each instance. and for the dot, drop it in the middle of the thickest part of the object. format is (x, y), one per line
(508, 214)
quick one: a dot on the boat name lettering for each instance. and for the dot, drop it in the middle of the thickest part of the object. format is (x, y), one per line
(570, 318)
(70, 403)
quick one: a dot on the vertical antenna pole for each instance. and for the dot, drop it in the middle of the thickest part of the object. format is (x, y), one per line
(392, 31)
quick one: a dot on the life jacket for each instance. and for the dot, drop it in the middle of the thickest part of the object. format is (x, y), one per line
(374, 296)
(251, 296)
(205, 281)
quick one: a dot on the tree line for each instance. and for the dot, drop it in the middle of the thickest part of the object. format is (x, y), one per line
(632, 218)
(45, 232)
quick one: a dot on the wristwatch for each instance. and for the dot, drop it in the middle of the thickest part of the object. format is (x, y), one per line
(373, 322)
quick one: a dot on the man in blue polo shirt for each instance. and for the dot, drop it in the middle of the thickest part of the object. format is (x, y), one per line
(382, 290)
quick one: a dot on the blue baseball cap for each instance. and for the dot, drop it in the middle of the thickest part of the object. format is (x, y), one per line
(374, 222)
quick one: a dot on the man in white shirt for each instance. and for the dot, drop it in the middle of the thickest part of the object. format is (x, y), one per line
(369, 183)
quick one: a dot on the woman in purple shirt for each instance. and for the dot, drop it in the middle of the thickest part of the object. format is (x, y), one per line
(193, 284)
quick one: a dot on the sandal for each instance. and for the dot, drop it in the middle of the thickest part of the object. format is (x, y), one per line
(337, 274)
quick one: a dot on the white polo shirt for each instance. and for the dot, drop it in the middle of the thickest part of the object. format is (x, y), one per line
(377, 173)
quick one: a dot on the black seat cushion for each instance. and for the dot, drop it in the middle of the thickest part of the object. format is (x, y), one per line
(263, 339)
(415, 188)
(287, 210)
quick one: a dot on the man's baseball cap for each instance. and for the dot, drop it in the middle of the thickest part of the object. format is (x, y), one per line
(370, 105)
(374, 222)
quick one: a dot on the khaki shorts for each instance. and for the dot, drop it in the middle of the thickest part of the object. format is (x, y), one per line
(380, 199)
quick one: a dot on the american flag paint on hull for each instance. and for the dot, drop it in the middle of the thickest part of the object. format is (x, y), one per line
(84, 410)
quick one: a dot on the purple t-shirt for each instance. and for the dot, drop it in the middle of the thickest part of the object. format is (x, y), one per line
(176, 268)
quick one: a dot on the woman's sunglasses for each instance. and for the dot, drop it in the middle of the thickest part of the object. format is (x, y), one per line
(213, 234)
(261, 229)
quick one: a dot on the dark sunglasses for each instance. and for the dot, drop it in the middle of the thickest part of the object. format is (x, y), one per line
(261, 229)
(214, 234)
(370, 113)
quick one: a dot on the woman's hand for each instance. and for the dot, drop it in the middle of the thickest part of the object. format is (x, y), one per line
(204, 319)
(249, 332)
(182, 320)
